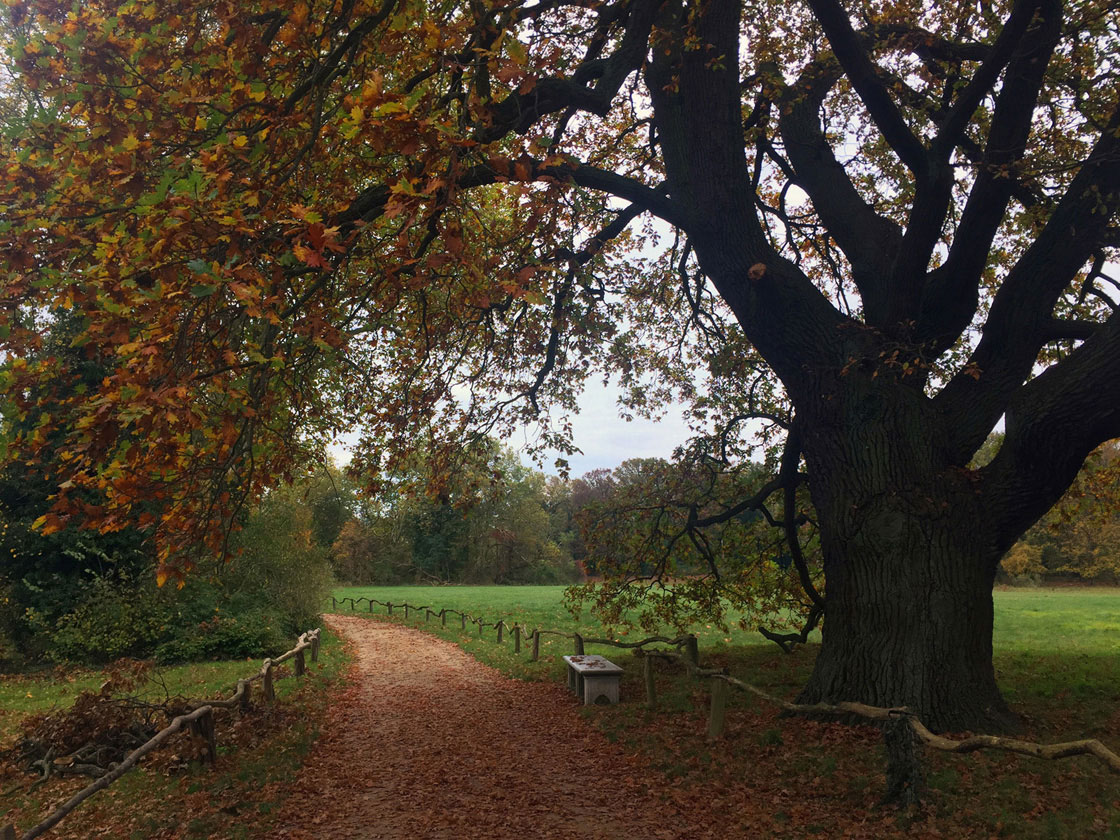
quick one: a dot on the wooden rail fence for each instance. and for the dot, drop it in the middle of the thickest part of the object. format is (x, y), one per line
(903, 731)
(200, 721)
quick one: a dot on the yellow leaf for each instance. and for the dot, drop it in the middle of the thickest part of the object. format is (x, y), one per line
(131, 143)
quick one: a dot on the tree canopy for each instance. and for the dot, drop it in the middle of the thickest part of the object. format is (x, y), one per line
(878, 226)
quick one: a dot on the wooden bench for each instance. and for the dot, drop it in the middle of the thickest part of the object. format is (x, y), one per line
(593, 678)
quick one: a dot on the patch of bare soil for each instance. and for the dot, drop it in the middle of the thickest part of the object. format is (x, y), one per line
(430, 743)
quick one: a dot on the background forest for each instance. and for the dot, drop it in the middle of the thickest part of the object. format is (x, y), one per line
(88, 597)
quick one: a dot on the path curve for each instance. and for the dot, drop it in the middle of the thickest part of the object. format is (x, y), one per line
(429, 743)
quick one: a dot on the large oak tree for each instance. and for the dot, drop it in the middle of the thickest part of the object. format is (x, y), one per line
(437, 217)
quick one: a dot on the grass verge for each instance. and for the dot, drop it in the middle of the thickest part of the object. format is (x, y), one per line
(172, 795)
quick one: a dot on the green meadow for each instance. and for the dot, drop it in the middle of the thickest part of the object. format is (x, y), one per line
(1069, 619)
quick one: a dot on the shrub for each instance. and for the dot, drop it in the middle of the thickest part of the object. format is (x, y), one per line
(277, 567)
(114, 619)
(250, 634)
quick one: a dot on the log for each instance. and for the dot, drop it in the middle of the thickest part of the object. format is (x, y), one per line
(718, 714)
(578, 644)
(245, 696)
(301, 666)
(315, 642)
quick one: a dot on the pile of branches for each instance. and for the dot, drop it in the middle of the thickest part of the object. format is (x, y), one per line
(92, 736)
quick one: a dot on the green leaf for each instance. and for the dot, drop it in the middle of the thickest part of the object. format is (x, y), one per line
(201, 290)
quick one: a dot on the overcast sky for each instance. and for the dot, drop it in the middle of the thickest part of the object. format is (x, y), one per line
(606, 440)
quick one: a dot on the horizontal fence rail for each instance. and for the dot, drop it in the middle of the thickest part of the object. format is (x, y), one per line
(516, 630)
(902, 729)
(200, 721)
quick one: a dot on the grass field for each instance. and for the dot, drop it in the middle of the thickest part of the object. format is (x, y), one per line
(1065, 618)
(1058, 663)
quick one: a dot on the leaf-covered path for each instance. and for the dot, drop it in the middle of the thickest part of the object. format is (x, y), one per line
(429, 743)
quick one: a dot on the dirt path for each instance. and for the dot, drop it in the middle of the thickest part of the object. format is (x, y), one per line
(430, 743)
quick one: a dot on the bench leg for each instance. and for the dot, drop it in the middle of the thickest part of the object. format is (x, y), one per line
(600, 689)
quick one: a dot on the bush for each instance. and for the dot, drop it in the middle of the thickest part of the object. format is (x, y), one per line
(115, 619)
(96, 601)
(277, 567)
(248, 635)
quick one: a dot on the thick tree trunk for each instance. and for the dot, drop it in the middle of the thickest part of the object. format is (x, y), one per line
(911, 625)
(909, 565)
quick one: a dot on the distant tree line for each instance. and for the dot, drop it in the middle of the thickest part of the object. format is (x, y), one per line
(77, 595)
(1079, 539)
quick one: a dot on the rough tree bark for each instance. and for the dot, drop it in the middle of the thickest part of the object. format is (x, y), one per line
(909, 558)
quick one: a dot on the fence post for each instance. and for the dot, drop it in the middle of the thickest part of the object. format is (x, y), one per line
(406, 608)
(209, 732)
(462, 621)
(905, 777)
(266, 681)
(334, 604)
(579, 644)
(203, 727)
(371, 604)
(315, 644)
(390, 605)
(651, 690)
(443, 617)
(501, 627)
(245, 703)
(536, 644)
(516, 639)
(720, 690)
(301, 664)
(692, 650)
